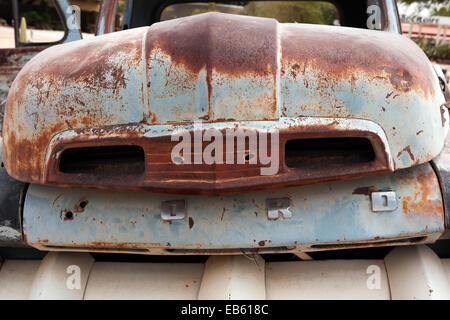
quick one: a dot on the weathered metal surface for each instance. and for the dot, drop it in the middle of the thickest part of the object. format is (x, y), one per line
(324, 216)
(220, 68)
(11, 61)
(163, 175)
(11, 190)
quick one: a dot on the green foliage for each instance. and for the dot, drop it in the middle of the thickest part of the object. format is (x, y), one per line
(121, 6)
(316, 12)
(433, 52)
(295, 11)
(212, 7)
(444, 11)
(40, 15)
(429, 2)
(37, 19)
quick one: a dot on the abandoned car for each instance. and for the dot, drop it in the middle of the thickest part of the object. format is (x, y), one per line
(223, 134)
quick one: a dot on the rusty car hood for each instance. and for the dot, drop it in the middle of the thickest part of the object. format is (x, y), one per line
(222, 69)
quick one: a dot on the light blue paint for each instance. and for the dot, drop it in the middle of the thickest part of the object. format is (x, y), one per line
(322, 213)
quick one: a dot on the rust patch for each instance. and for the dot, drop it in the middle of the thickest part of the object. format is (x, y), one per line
(364, 190)
(425, 186)
(17, 149)
(17, 57)
(67, 215)
(224, 47)
(400, 78)
(393, 59)
(80, 206)
(226, 43)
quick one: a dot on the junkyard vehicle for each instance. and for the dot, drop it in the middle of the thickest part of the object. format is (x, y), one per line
(351, 122)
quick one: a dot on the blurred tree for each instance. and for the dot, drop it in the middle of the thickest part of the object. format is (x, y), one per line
(120, 6)
(212, 7)
(440, 52)
(316, 12)
(444, 11)
(437, 7)
(424, 1)
(40, 14)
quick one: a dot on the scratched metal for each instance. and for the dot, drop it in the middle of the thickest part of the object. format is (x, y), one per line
(335, 213)
(225, 68)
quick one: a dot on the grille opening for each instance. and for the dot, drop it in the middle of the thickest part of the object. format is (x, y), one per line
(104, 160)
(328, 152)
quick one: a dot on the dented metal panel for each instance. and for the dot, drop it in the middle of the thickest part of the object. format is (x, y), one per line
(224, 68)
(334, 215)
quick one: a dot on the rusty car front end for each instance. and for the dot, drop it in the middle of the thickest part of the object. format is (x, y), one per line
(352, 117)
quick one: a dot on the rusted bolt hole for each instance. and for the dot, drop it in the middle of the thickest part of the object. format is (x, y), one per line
(83, 204)
(68, 215)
